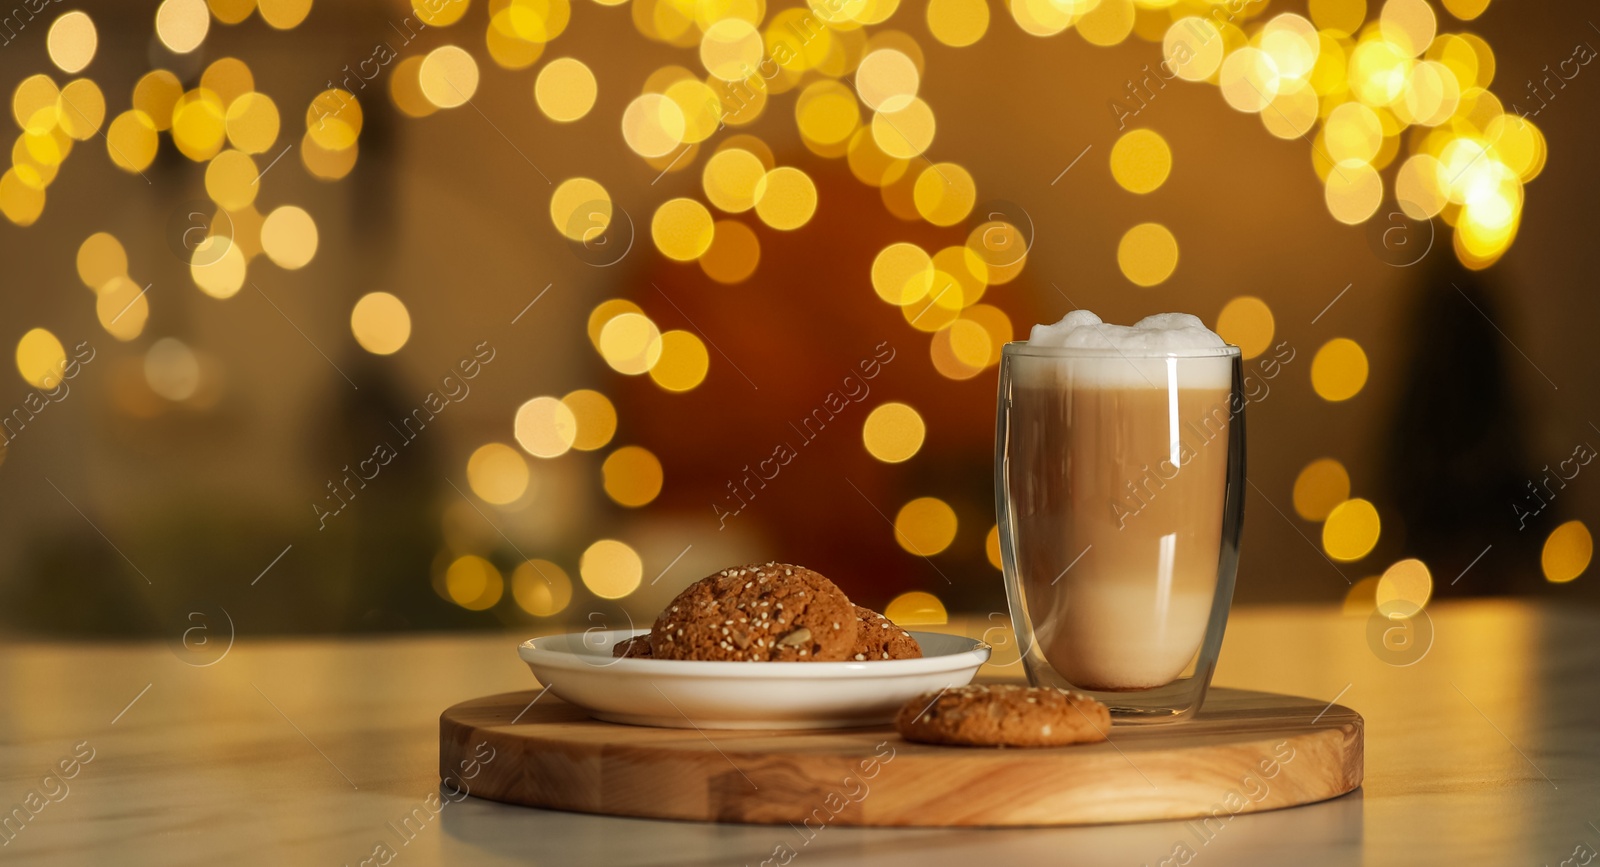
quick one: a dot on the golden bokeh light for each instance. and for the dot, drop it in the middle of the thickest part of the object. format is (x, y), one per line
(545, 427)
(122, 309)
(1147, 254)
(826, 113)
(916, 608)
(199, 124)
(1353, 192)
(925, 526)
(734, 253)
(944, 194)
(101, 259)
(1105, 23)
(231, 11)
(1466, 10)
(991, 547)
(1351, 530)
(630, 343)
(81, 108)
(731, 49)
(40, 358)
(497, 473)
(960, 349)
(1403, 589)
(902, 273)
(448, 76)
(730, 178)
(1567, 552)
(1339, 370)
(1322, 484)
(172, 370)
(611, 569)
(155, 94)
(1343, 17)
(21, 201)
(1141, 160)
(289, 237)
(580, 209)
(229, 78)
(595, 417)
(1353, 132)
(284, 14)
(131, 141)
(1409, 25)
(958, 23)
(405, 88)
(1249, 79)
(604, 312)
(682, 229)
(905, 132)
(473, 583)
(653, 125)
(181, 25)
(251, 123)
(380, 322)
(72, 41)
(218, 266)
(34, 104)
(893, 432)
(785, 198)
(1193, 48)
(1247, 323)
(541, 588)
(683, 363)
(231, 180)
(887, 80)
(439, 13)
(565, 89)
(631, 476)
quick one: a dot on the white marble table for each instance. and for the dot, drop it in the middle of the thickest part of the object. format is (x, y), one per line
(1486, 751)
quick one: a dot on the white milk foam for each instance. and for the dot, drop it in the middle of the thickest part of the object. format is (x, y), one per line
(1138, 350)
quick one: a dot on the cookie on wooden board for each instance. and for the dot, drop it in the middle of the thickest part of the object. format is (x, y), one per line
(1003, 715)
(773, 612)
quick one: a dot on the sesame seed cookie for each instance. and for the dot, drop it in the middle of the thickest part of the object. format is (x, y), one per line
(1003, 715)
(775, 612)
(637, 647)
(878, 638)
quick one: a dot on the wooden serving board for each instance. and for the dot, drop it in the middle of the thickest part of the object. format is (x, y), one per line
(1244, 752)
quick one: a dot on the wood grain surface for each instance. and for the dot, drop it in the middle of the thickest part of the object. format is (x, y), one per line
(1244, 752)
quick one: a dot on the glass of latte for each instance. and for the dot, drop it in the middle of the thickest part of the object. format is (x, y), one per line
(1119, 466)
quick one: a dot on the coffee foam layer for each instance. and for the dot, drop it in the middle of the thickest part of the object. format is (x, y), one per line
(1130, 365)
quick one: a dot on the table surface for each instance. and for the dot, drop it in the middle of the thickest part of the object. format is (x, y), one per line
(1484, 751)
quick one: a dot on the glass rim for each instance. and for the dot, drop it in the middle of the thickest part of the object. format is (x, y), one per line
(1024, 349)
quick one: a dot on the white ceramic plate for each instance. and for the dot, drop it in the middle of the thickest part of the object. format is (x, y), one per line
(579, 668)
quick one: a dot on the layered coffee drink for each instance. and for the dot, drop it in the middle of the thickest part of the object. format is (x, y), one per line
(1115, 469)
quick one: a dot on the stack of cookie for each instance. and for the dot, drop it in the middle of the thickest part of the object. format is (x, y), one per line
(776, 612)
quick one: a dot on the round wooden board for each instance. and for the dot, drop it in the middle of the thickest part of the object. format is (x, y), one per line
(1244, 752)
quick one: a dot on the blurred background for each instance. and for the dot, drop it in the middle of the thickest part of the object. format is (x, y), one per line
(379, 315)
